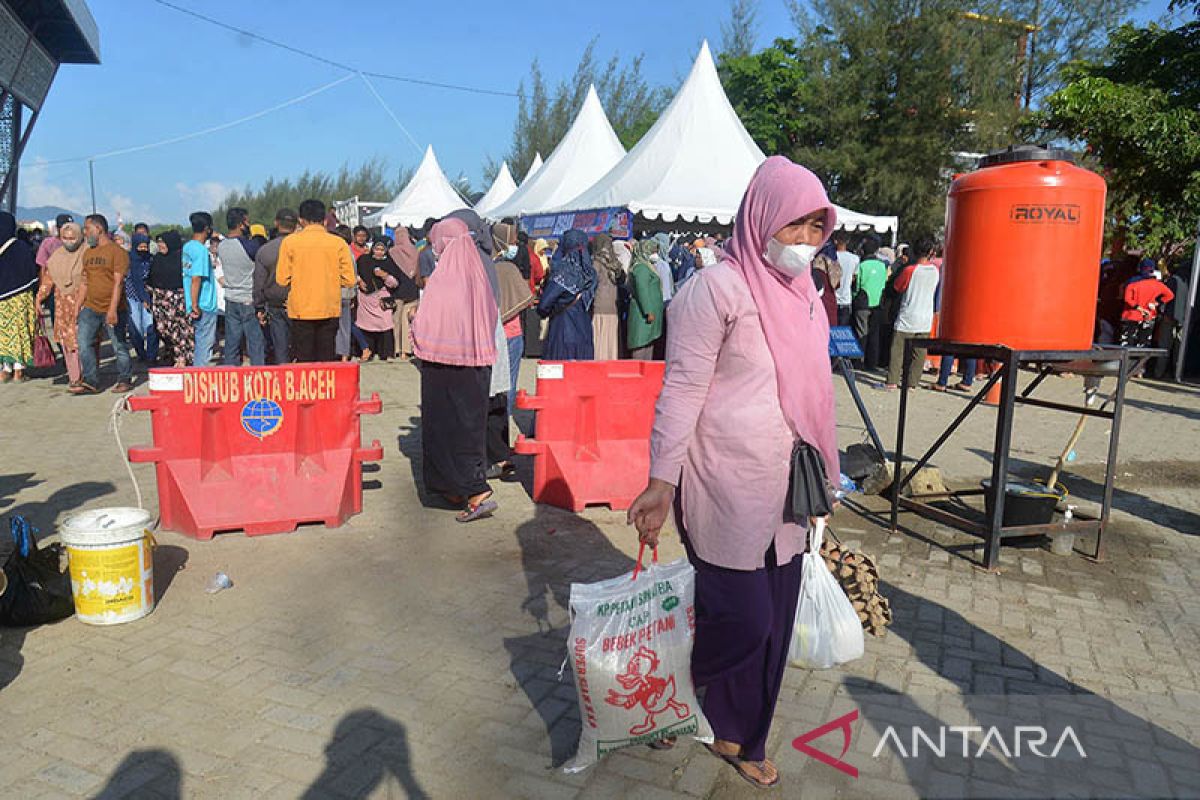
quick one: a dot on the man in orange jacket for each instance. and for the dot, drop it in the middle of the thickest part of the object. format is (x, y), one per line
(316, 265)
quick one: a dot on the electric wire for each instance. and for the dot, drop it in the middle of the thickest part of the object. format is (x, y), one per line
(308, 54)
(194, 134)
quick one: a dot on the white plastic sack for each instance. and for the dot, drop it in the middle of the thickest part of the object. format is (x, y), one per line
(827, 631)
(631, 651)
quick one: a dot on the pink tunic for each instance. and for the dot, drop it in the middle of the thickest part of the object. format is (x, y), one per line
(719, 432)
(372, 316)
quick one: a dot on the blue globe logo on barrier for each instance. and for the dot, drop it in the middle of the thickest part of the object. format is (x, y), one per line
(261, 417)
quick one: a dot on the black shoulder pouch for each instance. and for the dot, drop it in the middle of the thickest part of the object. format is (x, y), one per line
(808, 489)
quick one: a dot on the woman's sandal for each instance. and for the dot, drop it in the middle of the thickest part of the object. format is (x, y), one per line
(484, 508)
(739, 764)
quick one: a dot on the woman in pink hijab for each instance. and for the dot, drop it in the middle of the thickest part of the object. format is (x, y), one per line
(747, 375)
(453, 335)
(405, 254)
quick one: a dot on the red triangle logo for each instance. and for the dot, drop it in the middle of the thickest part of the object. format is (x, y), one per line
(841, 723)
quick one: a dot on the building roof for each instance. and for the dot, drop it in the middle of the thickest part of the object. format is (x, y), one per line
(65, 28)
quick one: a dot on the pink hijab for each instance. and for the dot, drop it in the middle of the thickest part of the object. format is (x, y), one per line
(793, 319)
(456, 321)
(404, 253)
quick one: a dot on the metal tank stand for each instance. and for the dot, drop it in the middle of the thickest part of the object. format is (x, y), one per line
(1118, 362)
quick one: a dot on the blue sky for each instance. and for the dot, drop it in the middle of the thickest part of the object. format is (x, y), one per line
(164, 74)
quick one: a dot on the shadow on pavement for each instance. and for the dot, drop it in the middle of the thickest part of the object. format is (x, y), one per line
(409, 443)
(1163, 408)
(367, 747)
(373, 483)
(169, 560)
(11, 660)
(557, 548)
(12, 485)
(1000, 685)
(145, 773)
(43, 514)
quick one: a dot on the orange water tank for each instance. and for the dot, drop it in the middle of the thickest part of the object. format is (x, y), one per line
(1023, 241)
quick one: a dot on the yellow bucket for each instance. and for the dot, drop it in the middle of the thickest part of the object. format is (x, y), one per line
(111, 556)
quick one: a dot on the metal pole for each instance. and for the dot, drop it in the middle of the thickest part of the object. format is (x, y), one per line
(848, 374)
(1004, 424)
(1037, 17)
(1114, 442)
(901, 420)
(92, 180)
(1185, 333)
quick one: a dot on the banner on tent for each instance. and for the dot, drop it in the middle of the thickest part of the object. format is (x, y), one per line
(616, 222)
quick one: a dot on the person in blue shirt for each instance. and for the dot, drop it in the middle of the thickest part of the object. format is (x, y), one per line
(200, 288)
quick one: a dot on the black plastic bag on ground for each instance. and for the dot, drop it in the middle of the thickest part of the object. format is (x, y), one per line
(37, 591)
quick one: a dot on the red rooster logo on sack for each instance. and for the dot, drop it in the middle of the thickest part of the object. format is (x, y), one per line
(654, 694)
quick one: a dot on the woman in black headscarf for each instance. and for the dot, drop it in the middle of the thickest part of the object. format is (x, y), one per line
(378, 274)
(18, 312)
(176, 339)
(567, 301)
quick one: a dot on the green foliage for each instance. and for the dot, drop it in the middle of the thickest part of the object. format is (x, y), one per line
(886, 99)
(1138, 113)
(897, 88)
(740, 30)
(1068, 30)
(371, 180)
(544, 113)
(768, 89)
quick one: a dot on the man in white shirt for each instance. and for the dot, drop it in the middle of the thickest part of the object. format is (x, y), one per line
(918, 283)
(845, 290)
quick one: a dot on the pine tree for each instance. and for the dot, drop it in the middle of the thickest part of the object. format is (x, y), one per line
(544, 113)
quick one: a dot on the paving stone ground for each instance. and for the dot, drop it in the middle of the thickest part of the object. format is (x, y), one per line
(407, 655)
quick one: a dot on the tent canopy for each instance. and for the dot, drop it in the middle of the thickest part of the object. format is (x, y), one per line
(589, 149)
(534, 166)
(427, 194)
(694, 164)
(502, 189)
(856, 221)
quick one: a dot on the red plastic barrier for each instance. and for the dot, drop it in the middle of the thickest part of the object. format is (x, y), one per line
(259, 449)
(593, 431)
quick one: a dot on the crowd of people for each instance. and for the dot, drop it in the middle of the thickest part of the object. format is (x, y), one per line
(748, 380)
(310, 288)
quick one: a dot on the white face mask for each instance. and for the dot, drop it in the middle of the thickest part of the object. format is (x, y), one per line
(510, 252)
(795, 259)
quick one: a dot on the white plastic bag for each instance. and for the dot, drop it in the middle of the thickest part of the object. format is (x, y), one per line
(827, 631)
(631, 651)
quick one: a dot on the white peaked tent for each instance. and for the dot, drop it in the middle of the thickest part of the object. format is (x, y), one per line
(428, 194)
(695, 162)
(502, 189)
(534, 166)
(589, 149)
(854, 221)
